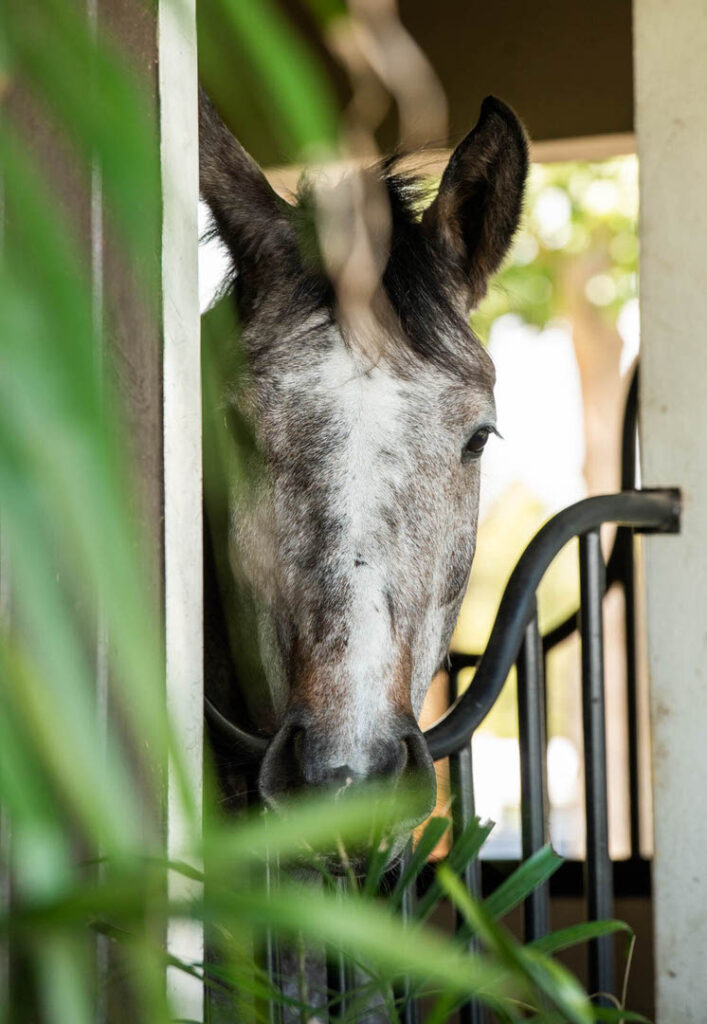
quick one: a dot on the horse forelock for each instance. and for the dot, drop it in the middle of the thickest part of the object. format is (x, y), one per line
(420, 312)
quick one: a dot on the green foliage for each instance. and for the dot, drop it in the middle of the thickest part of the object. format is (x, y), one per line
(81, 796)
(573, 212)
(264, 79)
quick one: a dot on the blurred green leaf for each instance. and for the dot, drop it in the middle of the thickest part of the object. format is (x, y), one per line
(466, 847)
(550, 978)
(378, 861)
(326, 11)
(531, 874)
(578, 933)
(88, 86)
(617, 1016)
(308, 824)
(294, 92)
(433, 832)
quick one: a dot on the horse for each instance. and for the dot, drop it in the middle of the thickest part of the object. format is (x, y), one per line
(357, 544)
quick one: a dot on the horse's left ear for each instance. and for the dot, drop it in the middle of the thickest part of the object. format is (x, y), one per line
(477, 209)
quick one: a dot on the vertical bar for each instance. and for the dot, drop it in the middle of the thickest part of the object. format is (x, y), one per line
(183, 566)
(626, 552)
(461, 776)
(340, 973)
(410, 1009)
(461, 779)
(628, 580)
(533, 770)
(272, 949)
(599, 871)
(267, 952)
(629, 588)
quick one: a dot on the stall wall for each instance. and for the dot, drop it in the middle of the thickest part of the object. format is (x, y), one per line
(671, 125)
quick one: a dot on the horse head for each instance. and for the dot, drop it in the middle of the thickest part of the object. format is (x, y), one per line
(358, 543)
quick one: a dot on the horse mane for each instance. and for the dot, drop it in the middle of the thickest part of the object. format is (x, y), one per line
(419, 279)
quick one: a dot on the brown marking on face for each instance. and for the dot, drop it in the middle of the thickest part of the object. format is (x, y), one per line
(401, 680)
(316, 682)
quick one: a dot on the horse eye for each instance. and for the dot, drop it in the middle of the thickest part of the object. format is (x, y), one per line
(476, 443)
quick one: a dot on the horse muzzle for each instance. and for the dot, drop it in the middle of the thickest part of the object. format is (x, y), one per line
(306, 756)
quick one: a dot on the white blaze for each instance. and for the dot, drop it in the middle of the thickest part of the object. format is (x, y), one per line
(368, 401)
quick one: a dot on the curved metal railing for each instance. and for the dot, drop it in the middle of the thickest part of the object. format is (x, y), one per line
(249, 746)
(643, 511)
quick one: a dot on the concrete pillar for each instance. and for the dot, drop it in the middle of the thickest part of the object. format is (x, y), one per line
(671, 123)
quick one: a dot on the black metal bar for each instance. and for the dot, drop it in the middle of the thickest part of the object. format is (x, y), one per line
(409, 1005)
(461, 778)
(625, 548)
(267, 953)
(615, 573)
(337, 984)
(340, 972)
(532, 737)
(461, 781)
(631, 663)
(250, 746)
(644, 510)
(629, 436)
(599, 873)
(462, 785)
(271, 952)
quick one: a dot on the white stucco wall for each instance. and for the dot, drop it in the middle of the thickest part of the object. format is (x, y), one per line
(671, 101)
(182, 466)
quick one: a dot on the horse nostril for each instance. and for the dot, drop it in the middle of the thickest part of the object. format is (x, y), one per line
(391, 761)
(418, 772)
(300, 757)
(418, 758)
(297, 745)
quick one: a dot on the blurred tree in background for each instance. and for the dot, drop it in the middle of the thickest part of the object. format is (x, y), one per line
(575, 259)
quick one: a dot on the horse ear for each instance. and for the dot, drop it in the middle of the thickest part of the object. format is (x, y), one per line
(251, 219)
(480, 198)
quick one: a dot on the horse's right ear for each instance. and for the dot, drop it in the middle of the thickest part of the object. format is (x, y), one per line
(251, 219)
